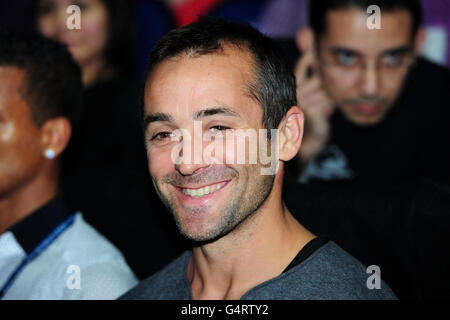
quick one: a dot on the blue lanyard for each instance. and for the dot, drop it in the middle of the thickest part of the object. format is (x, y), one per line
(37, 251)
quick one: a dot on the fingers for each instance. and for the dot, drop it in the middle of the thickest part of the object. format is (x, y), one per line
(307, 61)
(319, 102)
(311, 96)
(309, 87)
(316, 104)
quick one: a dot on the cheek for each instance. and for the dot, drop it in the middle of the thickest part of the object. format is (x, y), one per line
(232, 150)
(391, 85)
(6, 132)
(95, 29)
(19, 154)
(47, 27)
(159, 162)
(242, 149)
(338, 87)
(226, 150)
(93, 36)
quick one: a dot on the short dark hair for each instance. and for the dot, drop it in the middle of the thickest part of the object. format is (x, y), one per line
(52, 85)
(274, 84)
(318, 10)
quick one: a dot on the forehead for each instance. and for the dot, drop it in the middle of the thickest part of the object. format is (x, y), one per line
(348, 28)
(182, 85)
(11, 84)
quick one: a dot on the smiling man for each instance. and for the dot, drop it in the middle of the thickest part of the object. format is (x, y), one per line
(246, 243)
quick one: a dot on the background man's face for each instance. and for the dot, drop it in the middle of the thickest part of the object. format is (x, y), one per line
(364, 70)
(179, 91)
(20, 153)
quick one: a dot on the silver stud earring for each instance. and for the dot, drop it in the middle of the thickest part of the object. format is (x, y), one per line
(49, 153)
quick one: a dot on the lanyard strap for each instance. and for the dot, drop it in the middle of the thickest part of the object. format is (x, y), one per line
(37, 251)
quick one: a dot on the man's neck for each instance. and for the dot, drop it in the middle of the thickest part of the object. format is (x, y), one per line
(259, 250)
(18, 204)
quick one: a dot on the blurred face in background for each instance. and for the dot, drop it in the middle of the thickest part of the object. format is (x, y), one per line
(88, 44)
(363, 70)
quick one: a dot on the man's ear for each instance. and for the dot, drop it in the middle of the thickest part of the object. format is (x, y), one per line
(419, 40)
(55, 135)
(291, 133)
(305, 39)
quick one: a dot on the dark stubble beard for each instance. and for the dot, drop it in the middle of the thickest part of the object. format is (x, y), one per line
(247, 197)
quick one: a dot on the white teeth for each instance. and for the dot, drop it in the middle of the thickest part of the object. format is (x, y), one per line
(195, 193)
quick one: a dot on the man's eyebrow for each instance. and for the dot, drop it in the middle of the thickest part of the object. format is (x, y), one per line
(399, 50)
(164, 117)
(222, 110)
(336, 50)
(156, 117)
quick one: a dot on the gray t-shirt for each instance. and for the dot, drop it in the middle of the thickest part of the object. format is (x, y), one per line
(328, 273)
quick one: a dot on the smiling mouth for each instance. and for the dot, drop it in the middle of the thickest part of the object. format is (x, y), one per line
(201, 192)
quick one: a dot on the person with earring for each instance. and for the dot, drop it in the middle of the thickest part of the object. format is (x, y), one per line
(46, 250)
(104, 168)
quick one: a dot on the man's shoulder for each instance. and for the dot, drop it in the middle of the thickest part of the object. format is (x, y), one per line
(330, 273)
(104, 271)
(167, 284)
(79, 264)
(82, 239)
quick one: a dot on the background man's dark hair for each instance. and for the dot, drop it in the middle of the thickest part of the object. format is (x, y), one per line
(52, 85)
(274, 84)
(318, 10)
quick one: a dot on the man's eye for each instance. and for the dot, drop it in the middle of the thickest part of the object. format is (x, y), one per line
(219, 129)
(392, 59)
(162, 136)
(346, 58)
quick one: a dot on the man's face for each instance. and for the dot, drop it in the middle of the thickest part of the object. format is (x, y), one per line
(208, 200)
(363, 70)
(20, 153)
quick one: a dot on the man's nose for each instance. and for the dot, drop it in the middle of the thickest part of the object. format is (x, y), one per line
(187, 169)
(369, 81)
(191, 156)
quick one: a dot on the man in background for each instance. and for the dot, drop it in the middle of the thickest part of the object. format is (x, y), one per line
(375, 111)
(374, 160)
(46, 251)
